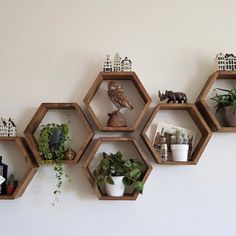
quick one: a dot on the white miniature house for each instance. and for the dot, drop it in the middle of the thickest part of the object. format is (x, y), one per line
(126, 64)
(117, 63)
(107, 66)
(226, 61)
(3, 127)
(11, 128)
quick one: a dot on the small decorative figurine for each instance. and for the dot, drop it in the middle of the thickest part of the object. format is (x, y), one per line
(11, 127)
(107, 66)
(7, 128)
(11, 184)
(126, 65)
(117, 63)
(226, 61)
(118, 97)
(173, 96)
(70, 154)
(3, 129)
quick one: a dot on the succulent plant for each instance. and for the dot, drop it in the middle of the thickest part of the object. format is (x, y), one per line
(179, 138)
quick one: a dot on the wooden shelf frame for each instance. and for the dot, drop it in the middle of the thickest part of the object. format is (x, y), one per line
(93, 152)
(31, 165)
(198, 120)
(38, 117)
(205, 110)
(130, 76)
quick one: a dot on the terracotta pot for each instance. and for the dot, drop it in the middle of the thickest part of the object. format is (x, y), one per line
(229, 117)
(10, 189)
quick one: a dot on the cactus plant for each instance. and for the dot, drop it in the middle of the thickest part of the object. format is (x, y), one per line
(11, 184)
(179, 138)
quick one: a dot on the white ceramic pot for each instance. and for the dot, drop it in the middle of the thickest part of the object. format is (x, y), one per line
(117, 189)
(179, 152)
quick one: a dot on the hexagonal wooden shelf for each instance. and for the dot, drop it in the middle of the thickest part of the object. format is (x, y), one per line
(97, 190)
(203, 107)
(198, 120)
(38, 117)
(120, 76)
(31, 164)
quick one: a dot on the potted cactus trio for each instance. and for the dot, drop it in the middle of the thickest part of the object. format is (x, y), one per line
(179, 146)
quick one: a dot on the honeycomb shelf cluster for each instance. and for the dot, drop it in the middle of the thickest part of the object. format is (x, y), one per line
(200, 113)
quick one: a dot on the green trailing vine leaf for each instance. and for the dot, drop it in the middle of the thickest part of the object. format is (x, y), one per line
(52, 140)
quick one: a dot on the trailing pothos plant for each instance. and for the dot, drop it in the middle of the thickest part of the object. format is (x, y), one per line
(115, 165)
(52, 140)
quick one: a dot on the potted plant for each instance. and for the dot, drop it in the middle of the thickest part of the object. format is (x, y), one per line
(52, 147)
(11, 185)
(226, 104)
(117, 172)
(179, 146)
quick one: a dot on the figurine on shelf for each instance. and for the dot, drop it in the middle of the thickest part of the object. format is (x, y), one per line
(11, 185)
(173, 97)
(117, 63)
(69, 154)
(226, 61)
(107, 66)
(7, 128)
(126, 65)
(118, 97)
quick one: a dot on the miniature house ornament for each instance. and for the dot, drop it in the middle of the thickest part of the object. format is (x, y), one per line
(7, 128)
(117, 63)
(126, 65)
(107, 66)
(118, 97)
(226, 62)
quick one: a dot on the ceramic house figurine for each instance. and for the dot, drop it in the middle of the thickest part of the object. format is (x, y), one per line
(226, 61)
(3, 127)
(117, 63)
(107, 66)
(11, 128)
(126, 64)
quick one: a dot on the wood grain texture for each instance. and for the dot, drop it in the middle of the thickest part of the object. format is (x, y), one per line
(38, 117)
(31, 166)
(205, 110)
(124, 76)
(92, 154)
(198, 120)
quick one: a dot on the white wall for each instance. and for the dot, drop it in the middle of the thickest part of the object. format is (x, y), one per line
(52, 50)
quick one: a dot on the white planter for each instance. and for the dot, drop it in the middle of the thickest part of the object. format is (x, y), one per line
(117, 189)
(179, 152)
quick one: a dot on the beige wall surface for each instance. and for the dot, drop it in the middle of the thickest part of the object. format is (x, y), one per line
(52, 51)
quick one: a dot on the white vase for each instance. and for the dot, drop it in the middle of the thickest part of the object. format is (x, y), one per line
(179, 152)
(117, 189)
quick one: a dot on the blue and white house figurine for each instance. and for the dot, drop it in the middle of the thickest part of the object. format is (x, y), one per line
(126, 65)
(226, 62)
(7, 128)
(11, 128)
(3, 129)
(107, 66)
(117, 63)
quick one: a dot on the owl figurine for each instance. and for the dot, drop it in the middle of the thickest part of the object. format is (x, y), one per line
(117, 96)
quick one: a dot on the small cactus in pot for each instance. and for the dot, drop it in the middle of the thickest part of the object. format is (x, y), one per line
(11, 184)
(179, 146)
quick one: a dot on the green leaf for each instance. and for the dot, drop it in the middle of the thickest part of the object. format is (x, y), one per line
(109, 180)
(127, 181)
(139, 186)
(134, 172)
(128, 163)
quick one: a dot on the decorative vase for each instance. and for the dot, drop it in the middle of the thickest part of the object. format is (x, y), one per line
(179, 152)
(117, 189)
(229, 117)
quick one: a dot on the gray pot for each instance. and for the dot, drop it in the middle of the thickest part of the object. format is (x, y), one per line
(229, 117)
